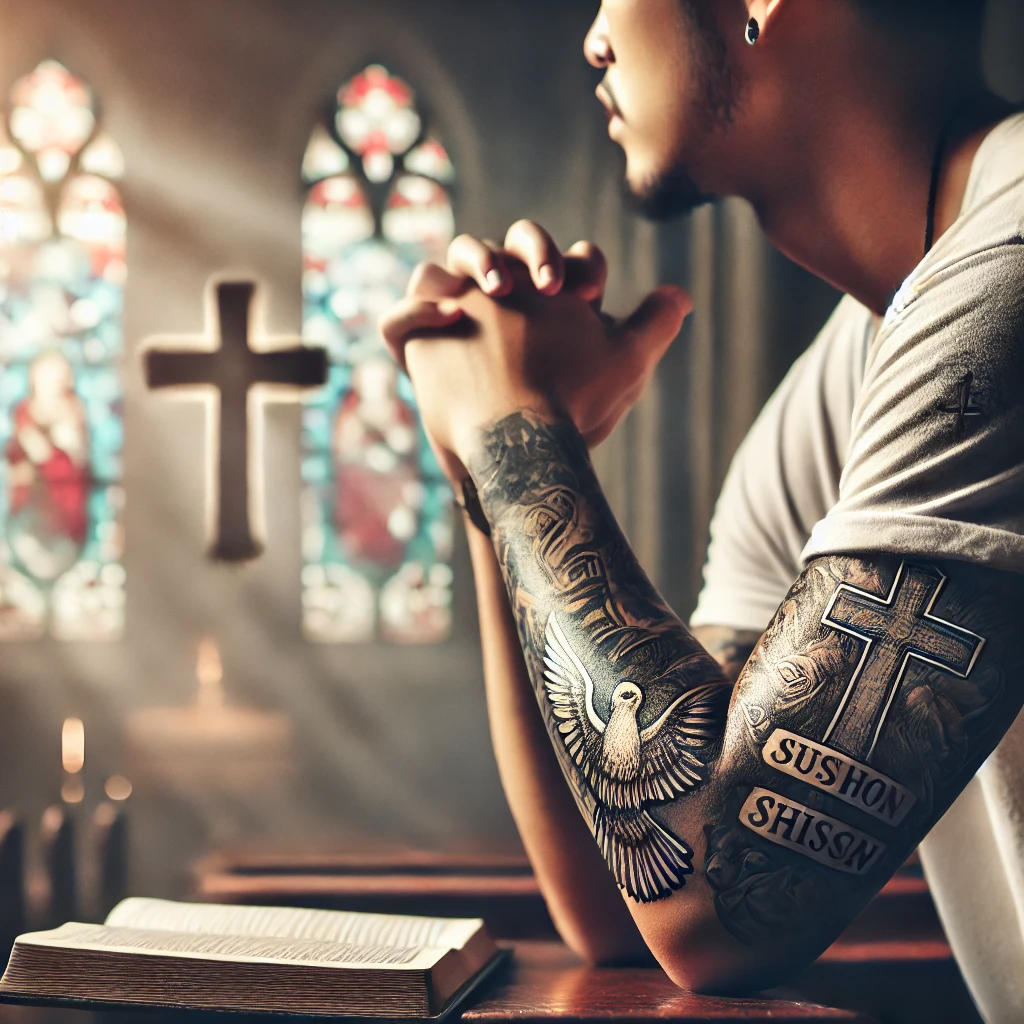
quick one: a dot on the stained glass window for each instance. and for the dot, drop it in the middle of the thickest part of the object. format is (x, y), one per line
(62, 273)
(377, 531)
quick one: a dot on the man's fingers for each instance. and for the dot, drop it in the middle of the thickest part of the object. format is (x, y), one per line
(530, 243)
(469, 257)
(431, 281)
(657, 320)
(586, 272)
(410, 317)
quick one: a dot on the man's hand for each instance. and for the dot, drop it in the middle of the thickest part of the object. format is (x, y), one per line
(502, 330)
(551, 354)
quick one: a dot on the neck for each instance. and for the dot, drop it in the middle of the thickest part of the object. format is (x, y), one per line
(852, 206)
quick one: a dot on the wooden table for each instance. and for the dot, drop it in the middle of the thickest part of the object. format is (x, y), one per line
(543, 983)
(546, 983)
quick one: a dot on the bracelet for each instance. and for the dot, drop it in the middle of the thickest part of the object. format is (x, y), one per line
(471, 507)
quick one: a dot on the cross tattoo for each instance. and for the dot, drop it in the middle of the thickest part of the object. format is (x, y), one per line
(895, 630)
(232, 370)
(962, 407)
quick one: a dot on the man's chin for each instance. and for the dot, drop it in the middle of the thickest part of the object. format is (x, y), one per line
(667, 196)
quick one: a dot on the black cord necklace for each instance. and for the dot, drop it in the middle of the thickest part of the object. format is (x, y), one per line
(953, 118)
(933, 188)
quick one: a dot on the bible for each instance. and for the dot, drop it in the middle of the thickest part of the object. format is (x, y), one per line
(194, 956)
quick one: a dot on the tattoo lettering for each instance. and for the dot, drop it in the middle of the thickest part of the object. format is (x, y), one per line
(636, 709)
(840, 776)
(811, 833)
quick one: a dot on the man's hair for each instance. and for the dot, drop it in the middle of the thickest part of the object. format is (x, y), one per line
(964, 18)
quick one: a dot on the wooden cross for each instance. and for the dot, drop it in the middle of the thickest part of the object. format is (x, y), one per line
(233, 369)
(962, 407)
(895, 630)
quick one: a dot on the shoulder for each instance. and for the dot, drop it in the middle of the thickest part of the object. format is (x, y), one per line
(936, 458)
(964, 312)
(971, 285)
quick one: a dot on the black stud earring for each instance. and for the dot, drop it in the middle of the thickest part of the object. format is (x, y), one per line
(752, 32)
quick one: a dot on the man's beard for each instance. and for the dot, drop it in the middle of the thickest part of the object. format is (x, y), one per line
(676, 192)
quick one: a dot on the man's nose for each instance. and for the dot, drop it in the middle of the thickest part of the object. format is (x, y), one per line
(597, 47)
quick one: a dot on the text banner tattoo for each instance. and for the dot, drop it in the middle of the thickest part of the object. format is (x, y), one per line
(838, 775)
(810, 833)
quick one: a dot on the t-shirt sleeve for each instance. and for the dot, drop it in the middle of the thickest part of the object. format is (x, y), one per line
(784, 477)
(936, 458)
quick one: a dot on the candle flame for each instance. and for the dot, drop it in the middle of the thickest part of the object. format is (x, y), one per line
(210, 673)
(72, 745)
(117, 787)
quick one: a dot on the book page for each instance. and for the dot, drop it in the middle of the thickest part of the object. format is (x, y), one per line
(292, 923)
(235, 948)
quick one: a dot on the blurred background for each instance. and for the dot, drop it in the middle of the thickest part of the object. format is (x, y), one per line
(327, 693)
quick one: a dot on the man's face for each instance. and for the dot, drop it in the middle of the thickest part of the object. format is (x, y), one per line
(668, 89)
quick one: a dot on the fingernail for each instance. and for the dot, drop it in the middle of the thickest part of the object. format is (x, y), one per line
(494, 280)
(545, 276)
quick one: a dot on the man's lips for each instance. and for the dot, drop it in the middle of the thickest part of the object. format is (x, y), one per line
(607, 100)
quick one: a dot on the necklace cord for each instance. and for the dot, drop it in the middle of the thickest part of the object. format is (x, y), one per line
(933, 188)
(938, 158)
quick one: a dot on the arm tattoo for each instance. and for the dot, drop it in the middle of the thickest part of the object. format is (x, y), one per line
(873, 697)
(876, 692)
(731, 648)
(636, 708)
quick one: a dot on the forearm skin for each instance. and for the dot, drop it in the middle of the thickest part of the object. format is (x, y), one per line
(580, 894)
(744, 836)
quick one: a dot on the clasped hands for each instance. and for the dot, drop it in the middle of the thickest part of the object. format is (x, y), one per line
(500, 330)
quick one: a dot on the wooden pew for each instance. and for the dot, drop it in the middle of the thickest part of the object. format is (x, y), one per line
(893, 963)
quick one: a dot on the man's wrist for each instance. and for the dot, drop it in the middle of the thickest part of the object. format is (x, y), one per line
(470, 429)
(517, 452)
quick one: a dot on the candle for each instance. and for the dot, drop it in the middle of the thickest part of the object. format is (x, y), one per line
(72, 745)
(210, 674)
(72, 755)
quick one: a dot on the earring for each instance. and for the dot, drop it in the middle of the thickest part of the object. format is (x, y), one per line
(753, 30)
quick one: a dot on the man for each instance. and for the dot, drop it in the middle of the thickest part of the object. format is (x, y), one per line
(879, 497)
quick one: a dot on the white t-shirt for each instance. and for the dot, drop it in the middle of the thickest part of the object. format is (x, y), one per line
(907, 436)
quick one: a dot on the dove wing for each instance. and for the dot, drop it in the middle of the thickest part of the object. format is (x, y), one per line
(674, 748)
(570, 691)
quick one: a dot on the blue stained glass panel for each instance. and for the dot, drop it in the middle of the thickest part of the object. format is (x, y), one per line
(376, 508)
(62, 274)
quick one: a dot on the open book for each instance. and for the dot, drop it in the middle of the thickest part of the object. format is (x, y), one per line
(252, 959)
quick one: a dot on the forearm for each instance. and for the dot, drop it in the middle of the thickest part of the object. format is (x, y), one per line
(633, 708)
(744, 846)
(580, 894)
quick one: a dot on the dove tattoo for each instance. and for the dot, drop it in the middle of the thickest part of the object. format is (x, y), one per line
(637, 709)
(628, 767)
